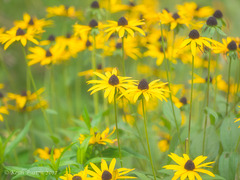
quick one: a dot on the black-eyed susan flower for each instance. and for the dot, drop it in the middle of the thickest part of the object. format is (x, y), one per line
(211, 27)
(32, 22)
(67, 11)
(98, 138)
(3, 110)
(18, 34)
(82, 175)
(188, 168)
(196, 41)
(146, 90)
(40, 55)
(83, 30)
(113, 6)
(109, 173)
(123, 26)
(228, 46)
(26, 101)
(46, 153)
(111, 83)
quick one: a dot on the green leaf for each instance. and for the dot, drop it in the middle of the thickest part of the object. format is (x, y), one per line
(217, 177)
(81, 152)
(140, 175)
(229, 134)
(86, 118)
(168, 113)
(213, 115)
(51, 111)
(220, 31)
(15, 142)
(228, 164)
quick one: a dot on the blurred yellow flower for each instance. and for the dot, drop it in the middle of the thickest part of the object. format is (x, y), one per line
(63, 11)
(46, 153)
(123, 26)
(227, 45)
(18, 34)
(3, 110)
(82, 175)
(98, 138)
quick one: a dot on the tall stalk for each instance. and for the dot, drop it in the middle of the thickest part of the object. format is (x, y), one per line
(116, 122)
(206, 117)
(123, 61)
(229, 73)
(190, 113)
(169, 86)
(94, 67)
(146, 133)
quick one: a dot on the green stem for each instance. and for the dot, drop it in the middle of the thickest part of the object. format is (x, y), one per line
(236, 148)
(190, 113)
(28, 88)
(123, 61)
(229, 73)
(238, 81)
(146, 132)
(35, 89)
(206, 117)
(94, 67)
(169, 86)
(116, 122)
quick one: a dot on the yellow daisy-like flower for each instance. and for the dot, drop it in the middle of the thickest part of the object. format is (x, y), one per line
(234, 121)
(228, 45)
(196, 41)
(45, 57)
(173, 19)
(63, 11)
(98, 138)
(188, 168)
(46, 153)
(83, 30)
(32, 22)
(82, 175)
(153, 89)
(3, 110)
(123, 26)
(111, 82)
(109, 173)
(18, 34)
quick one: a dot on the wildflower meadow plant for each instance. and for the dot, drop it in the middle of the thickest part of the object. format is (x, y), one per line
(119, 89)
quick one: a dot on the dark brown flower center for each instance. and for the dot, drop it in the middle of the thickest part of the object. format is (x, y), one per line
(189, 165)
(95, 5)
(88, 43)
(31, 22)
(218, 14)
(68, 35)
(131, 4)
(232, 46)
(194, 34)
(212, 21)
(76, 178)
(48, 53)
(106, 175)
(1, 95)
(50, 151)
(175, 16)
(51, 38)
(93, 23)
(24, 93)
(183, 100)
(143, 84)
(119, 45)
(99, 66)
(210, 79)
(113, 80)
(20, 32)
(122, 21)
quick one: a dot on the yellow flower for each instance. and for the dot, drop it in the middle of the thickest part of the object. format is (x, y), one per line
(90, 72)
(46, 153)
(83, 30)
(3, 110)
(32, 22)
(163, 144)
(173, 19)
(111, 82)
(22, 101)
(63, 11)
(221, 84)
(188, 168)
(196, 41)
(153, 89)
(18, 34)
(98, 138)
(82, 175)
(123, 26)
(109, 172)
(227, 45)
(45, 57)
(113, 5)
(237, 119)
